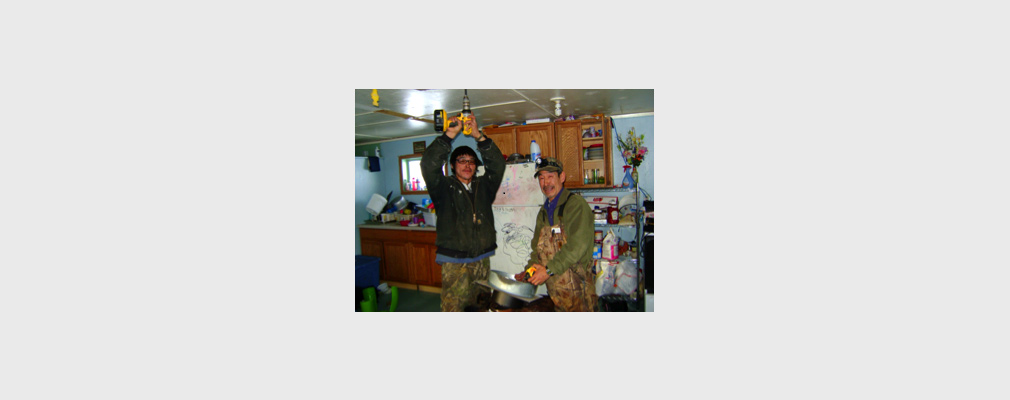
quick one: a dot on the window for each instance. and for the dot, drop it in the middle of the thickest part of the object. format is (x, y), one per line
(411, 181)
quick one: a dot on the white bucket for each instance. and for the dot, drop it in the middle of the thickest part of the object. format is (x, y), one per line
(376, 204)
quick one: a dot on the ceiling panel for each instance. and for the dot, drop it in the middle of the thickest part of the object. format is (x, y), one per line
(490, 106)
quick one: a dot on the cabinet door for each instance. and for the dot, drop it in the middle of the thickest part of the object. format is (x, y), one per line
(542, 133)
(569, 145)
(504, 138)
(608, 155)
(436, 270)
(420, 271)
(373, 248)
(397, 261)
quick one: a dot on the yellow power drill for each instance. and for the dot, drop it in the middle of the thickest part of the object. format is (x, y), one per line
(464, 116)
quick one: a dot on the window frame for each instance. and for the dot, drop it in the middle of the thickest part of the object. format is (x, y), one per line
(400, 165)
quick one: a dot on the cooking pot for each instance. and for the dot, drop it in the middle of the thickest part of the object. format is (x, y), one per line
(398, 204)
(506, 283)
(505, 300)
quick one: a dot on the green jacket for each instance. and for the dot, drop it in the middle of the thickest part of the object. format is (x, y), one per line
(457, 234)
(579, 229)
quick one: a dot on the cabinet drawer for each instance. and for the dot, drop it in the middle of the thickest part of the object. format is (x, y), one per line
(383, 234)
(421, 237)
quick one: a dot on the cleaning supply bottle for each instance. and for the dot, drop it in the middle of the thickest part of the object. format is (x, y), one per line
(534, 151)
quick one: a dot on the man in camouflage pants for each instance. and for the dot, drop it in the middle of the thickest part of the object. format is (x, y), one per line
(562, 248)
(465, 234)
(459, 284)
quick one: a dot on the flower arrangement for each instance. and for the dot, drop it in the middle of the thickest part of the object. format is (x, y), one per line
(632, 149)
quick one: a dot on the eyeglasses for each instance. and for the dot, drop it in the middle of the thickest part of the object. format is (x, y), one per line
(470, 161)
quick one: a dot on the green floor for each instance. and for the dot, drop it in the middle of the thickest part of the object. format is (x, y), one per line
(409, 301)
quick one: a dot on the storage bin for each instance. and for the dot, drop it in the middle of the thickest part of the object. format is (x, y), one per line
(366, 271)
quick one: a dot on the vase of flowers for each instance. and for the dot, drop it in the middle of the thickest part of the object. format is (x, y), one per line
(632, 151)
(629, 180)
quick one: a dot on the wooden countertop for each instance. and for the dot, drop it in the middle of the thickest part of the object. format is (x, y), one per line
(396, 226)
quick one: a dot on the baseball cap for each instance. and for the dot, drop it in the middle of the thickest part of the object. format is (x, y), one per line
(549, 164)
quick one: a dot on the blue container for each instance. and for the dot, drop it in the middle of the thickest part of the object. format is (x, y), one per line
(366, 271)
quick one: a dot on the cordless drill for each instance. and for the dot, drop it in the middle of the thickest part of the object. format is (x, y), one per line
(464, 116)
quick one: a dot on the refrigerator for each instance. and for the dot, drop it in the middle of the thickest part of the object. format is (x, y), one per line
(515, 211)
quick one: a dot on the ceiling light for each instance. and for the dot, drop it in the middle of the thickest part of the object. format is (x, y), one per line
(557, 105)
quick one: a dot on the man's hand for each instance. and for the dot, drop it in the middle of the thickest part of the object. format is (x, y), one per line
(540, 276)
(474, 131)
(452, 131)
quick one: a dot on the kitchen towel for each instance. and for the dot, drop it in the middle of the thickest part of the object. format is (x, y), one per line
(373, 163)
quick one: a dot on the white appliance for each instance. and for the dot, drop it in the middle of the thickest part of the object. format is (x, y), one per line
(515, 216)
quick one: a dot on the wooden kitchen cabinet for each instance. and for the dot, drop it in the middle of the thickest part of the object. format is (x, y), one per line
(574, 152)
(504, 138)
(373, 248)
(428, 272)
(516, 139)
(542, 133)
(563, 140)
(397, 257)
(569, 134)
(406, 256)
(423, 269)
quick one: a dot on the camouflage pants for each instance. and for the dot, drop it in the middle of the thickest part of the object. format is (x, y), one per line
(459, 283)
(574, 290)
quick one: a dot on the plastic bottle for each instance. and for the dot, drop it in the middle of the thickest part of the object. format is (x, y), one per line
(613, 216)
(534, 151)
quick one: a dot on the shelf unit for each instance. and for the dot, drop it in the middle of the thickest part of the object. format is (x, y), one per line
(639, 234)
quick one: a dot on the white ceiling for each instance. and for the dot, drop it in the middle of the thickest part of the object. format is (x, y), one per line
(491, 106)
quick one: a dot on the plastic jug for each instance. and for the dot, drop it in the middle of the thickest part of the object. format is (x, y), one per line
(534, 151)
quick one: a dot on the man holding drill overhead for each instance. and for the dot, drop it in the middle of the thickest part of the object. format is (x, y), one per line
(465, 234)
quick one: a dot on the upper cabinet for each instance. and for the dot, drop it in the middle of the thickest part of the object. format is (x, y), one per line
(516, 139)
(584, 147)
(504, 138)
(542, 133)
(569, 153)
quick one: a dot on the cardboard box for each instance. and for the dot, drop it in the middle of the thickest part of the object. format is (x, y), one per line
(602, 201)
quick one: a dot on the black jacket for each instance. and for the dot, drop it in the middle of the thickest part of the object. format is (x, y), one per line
(465, 226)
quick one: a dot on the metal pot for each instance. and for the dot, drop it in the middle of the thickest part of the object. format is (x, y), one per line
(505, 300)
(506, 283)
(398, 204)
